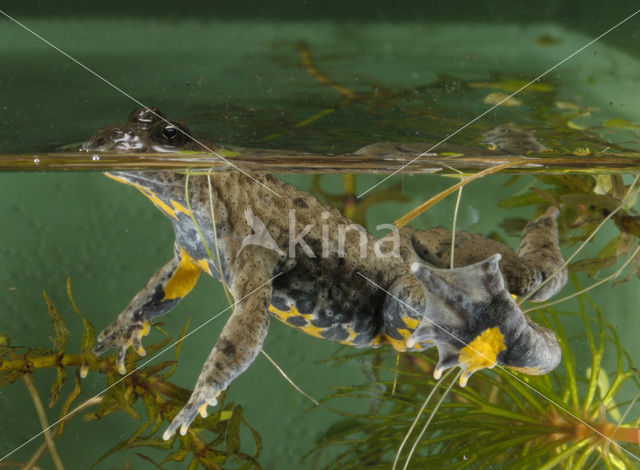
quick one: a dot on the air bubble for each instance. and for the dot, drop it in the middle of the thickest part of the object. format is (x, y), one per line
(95, 158)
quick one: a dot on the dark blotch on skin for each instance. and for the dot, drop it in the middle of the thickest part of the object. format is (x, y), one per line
(279, 303)
(297, 321)
(226, 347)
(335, 333)
(301, 203)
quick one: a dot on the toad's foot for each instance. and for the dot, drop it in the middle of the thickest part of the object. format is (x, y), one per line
(202, 397)
(161, 293)
(475, 323)
(121, 335)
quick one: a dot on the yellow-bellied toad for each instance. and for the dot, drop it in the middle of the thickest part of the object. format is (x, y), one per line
(311, 268)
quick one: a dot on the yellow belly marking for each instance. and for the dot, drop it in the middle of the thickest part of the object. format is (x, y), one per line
(283, 315)
(184, 279)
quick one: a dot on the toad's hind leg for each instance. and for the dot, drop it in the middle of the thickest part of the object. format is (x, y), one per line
(161, 293)
(537, 259)
(241, 338)
(539, 246)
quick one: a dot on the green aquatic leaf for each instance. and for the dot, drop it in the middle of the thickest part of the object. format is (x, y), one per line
(9, 377)
(155, 347)
(178, 348)
(88, 332)
(61, 378)
(59, 325)
(5, 346)
(594, 201)
(193, 465)
(256, 439)
(619, 123)
(36, 353)
(593, 264)
(522, 200)
(177, 456)
(233, 431)
(120, 397)
(155, 442)
(64, 411)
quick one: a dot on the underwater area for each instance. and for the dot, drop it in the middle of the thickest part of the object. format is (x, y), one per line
(543, 98)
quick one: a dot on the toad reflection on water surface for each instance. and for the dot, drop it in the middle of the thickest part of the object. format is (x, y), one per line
(345, 289)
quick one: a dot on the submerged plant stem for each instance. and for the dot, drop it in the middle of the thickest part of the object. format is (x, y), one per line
(418, 414)
(474, 160)
(453, 227)
(30, 465)
(409, 216)
(426, 425)
(25, 363)
(42, 416)
(286, 377)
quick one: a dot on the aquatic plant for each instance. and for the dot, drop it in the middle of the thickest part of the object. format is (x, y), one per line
(210, 443)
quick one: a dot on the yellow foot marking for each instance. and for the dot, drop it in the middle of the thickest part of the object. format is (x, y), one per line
(481, 353)
(135, 342)
(84, 369)
(203, 410)
(144, 331)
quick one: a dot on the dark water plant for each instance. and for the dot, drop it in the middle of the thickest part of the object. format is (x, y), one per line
(211, 442)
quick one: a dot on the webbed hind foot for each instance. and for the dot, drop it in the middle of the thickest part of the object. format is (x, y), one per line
(201, 397)
(475, 323)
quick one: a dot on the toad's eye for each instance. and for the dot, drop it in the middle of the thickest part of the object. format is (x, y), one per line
(167, 137)
(170, 132)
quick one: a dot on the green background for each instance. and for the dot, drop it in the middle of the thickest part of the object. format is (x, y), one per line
(232, 73)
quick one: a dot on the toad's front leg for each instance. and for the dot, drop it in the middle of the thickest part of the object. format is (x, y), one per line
(161, 293)
(241, 338)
